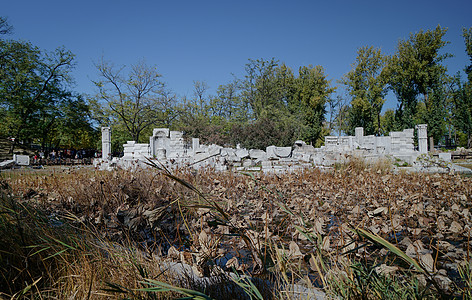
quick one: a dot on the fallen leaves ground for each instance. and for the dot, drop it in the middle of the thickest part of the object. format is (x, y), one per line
(426, 216)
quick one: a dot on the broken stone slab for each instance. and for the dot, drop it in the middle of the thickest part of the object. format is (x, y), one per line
(446, 156)
(230, 155)
(460, 169)
(257, 154)
(248, 163)
(7, 164)
(253, 169)
(274, 152)
(21, 160)
(283, 151)
(211, 152)
(301, 156)
(242, 153)
(214, 150)
(201, 157)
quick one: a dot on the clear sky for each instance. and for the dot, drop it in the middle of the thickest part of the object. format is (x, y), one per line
(210, 40)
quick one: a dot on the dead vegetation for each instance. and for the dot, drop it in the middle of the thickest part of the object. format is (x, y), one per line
(356, 232)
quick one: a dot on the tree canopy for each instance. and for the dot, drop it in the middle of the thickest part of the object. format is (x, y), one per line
(35, 100)
(135, 101)
(367, 85)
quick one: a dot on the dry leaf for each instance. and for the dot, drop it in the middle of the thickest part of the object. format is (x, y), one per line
(455, 227)
(232, 263)
(294, 250)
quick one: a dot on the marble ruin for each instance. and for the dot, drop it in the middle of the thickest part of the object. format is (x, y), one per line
(106, 142)
(172, 150)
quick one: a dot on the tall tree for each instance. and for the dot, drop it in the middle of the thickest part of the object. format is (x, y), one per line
(416, 70)
(366, 83)
(462, 97)
(467, 35)
(462, 109)
(312, 93)
(135, 100)
(229, 103)
(258, 86)
(33, 86)
(200, 88)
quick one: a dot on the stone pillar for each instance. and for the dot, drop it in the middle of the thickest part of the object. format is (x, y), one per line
(106, 143)
(360, 136)
(152, 147)
(195, 145)
(422, 138)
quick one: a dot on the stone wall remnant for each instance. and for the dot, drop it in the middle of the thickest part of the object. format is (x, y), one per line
(170, 149)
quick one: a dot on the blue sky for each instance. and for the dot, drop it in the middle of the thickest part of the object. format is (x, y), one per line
(211, 40)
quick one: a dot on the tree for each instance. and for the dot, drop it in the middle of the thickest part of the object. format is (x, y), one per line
(73, 128)
(341, 115)
(387, 121)
(199, 90)
(462, 96)
(366, 84)
(312, 92)
(136, 100)
(467, 35)
(258, 86)
(462, 109)
(416, 70)
(33, 87)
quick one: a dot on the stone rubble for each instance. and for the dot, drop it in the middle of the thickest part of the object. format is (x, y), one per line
(171, 150)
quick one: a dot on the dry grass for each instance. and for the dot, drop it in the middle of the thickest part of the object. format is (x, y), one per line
(284, 229)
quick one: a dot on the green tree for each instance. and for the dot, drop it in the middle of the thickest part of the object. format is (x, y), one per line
(462, 96)
(135, 101)
(312, 92)
(259, 86)
(73, 128)
(341, 117)
(367, 86)
(33, 89)
(467, 35)
(416, 70)
(462, 110)
(387, 121)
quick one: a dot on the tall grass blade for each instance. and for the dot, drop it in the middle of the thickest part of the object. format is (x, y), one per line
(379, 240)
(158, 286)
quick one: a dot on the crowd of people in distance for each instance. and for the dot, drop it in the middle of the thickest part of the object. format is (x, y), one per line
(59, 156)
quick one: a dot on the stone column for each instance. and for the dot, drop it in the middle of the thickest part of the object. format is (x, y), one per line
(360, 136)
(195, 145)
(152, 149)
(422, 138)
(106, 143)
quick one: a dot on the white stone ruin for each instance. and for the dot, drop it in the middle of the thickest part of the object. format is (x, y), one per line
(106, 143)
(422, 138)
(171, 150)
(18, 160)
